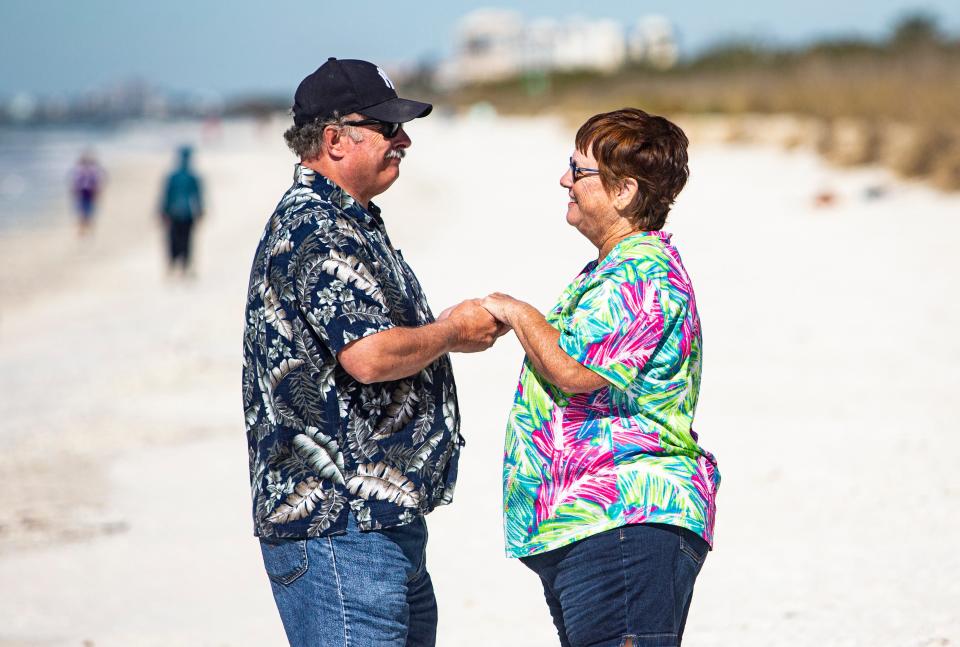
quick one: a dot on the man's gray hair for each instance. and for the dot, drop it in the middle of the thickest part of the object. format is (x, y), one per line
(306, 141)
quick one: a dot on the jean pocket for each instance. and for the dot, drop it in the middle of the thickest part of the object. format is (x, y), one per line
(284, 559)
(693, 547)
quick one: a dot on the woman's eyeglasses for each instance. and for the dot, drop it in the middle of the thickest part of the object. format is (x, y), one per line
(581, 171)
(388, 129)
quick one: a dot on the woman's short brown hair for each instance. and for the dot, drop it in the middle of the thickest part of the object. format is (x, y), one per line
(629, 143)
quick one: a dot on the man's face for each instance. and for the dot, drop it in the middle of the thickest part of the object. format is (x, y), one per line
(374, 162)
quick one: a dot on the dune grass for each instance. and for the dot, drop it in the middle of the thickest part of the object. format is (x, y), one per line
(895, 103)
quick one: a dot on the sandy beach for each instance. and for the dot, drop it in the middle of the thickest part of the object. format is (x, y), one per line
(830, 364)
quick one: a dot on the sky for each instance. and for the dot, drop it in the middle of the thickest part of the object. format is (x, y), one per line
(65, 47)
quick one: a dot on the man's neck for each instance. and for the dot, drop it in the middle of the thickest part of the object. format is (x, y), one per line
(331, 171)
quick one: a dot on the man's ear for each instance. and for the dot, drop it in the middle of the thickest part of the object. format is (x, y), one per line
(625, 193)
(333, 141)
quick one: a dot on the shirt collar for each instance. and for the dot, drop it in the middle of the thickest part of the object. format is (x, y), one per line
(636, 238)
(642, 238)
(662, 235)
(328, 191)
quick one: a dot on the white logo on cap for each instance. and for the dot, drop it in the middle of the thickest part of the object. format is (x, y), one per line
(386, 79)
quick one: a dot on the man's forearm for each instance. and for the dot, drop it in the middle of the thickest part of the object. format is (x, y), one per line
(397, 353)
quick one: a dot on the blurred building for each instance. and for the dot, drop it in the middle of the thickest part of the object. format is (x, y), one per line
(580, 44)
(653, 42)
(128, 99)
(497, 44)
(489, 47)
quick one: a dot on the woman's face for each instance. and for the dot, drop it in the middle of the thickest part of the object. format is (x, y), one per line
(590, 208)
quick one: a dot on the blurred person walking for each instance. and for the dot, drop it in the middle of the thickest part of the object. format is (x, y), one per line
(350, 403)
(181, 209)
(607, 495)
(86, 182)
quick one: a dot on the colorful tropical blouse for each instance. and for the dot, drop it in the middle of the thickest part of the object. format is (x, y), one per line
(579, 464)
(322, 446)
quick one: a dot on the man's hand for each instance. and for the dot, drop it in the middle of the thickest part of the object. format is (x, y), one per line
(446, 313)
(400, 352)
(476, 328)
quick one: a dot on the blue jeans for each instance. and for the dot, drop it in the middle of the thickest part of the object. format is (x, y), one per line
(633, 582)
(354, 590)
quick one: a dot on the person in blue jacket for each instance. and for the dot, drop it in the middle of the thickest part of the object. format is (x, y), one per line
(182, 208)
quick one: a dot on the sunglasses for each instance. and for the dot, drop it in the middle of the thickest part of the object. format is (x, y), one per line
(581, 171)
(388, 129)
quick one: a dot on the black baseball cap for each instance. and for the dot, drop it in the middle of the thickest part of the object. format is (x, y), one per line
(352, 86)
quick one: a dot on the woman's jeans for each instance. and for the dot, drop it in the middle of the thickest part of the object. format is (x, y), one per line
(354, 590)
(630, 582)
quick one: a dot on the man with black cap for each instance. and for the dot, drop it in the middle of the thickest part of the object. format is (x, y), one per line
(349, 398)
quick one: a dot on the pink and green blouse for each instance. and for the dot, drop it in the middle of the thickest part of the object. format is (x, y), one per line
(579, 464)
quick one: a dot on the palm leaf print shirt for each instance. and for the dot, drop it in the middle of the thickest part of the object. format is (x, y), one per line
(577, 465)
(320, 443)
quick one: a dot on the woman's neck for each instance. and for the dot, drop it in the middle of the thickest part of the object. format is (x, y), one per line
(612, 237)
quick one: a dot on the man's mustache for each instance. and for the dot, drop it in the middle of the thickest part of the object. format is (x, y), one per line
(399, 153)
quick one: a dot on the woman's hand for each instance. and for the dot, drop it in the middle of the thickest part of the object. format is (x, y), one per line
(502, 328)
(504, 308)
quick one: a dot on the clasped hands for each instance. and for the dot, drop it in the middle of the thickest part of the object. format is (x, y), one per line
(481, 322)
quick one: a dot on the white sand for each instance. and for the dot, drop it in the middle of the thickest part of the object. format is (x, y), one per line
(830, 362)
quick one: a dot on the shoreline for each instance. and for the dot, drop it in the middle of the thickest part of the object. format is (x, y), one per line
(80, 304)
(123, 434)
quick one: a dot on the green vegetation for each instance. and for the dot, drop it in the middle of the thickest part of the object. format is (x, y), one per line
(903, 93)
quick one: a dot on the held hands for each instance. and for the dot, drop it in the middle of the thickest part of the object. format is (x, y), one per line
(479, 322)
(476, 328)
(504, 308)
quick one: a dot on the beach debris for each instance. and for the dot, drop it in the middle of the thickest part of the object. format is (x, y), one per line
(946, 174)
(851, 142)
(824, 199)
(483, 110)
(916, 151)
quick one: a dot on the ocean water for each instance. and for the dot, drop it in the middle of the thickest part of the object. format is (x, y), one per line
(34, 170)
(35, 162)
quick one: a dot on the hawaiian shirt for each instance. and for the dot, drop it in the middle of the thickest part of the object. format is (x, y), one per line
(320, 443)
(579, 464)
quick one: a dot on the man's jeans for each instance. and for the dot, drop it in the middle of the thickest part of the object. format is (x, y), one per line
(354, 590)
(631, 582)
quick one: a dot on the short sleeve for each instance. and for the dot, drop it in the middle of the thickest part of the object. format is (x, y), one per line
(339, 294)
(615, 326)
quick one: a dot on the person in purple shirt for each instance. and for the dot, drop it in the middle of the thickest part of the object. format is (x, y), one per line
(86, 180)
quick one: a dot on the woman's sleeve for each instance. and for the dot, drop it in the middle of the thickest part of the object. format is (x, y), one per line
(615, 326)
